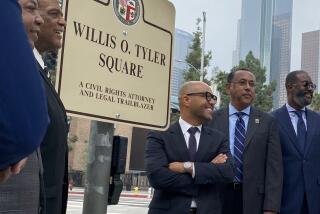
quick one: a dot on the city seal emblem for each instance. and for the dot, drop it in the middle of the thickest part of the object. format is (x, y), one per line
(127, 11)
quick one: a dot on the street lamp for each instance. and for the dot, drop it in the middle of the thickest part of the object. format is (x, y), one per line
(203, 45)
(190, 65)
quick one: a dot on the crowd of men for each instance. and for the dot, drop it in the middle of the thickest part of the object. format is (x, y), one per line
(34, 128)
(238, 160)
(231, 161)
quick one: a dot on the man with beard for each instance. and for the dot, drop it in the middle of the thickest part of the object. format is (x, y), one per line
(187, 162)
(300, 141)
(54, 149)
(254, 143)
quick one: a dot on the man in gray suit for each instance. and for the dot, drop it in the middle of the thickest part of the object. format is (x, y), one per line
(255, 146)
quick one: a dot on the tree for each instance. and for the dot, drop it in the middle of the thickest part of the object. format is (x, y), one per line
(315, 105)
(194, 58)
(263, 99)
(50, 60)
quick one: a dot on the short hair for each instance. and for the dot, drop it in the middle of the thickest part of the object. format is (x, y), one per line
(233, 71)
(292, 77)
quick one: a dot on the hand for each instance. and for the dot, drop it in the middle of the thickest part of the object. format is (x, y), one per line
(221, 158)
(5, 175)
(15, 169)
(177, 167)
(269, 212)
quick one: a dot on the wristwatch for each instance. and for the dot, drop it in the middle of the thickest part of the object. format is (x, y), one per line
(187, 166)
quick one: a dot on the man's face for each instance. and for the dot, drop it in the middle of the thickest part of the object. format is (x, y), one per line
(31, 19)
(51, 31)
(242, 89)
(201, 106)
(300, 94)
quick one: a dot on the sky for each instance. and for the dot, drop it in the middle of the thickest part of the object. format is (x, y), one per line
(221, 26)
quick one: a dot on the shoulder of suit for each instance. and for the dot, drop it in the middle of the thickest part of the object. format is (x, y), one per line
(313, 113)
(263, 115)
(170, 129)
(212, 131)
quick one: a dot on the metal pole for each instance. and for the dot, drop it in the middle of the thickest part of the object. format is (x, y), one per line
(203, 46)
(98, 168)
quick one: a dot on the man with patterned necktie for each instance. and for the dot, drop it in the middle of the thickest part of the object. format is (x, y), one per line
(300, 141)
(187, 163)
(254, 144)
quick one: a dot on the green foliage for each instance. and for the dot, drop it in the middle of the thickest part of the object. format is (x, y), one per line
(50, 60)
(174, 117)
(315, 105)
(194, 58)
(221, 82)
(263, 100)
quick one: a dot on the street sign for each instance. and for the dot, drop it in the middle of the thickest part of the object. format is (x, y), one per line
(116, 61)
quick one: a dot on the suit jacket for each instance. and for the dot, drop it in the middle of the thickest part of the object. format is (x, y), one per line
(174, 191)
(21, 193)
(23, 109)
(54, 151)
(262, 161)
(301, 169)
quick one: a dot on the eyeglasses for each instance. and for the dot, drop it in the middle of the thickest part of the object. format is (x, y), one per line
(243, 83)
(206, 94)
(309, 85)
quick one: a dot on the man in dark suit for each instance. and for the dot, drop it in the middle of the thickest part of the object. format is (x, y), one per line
(300, 141)
(54, 149)
(254, 143)
(186, 163)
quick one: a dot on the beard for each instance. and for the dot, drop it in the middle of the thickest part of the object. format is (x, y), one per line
(301, 100)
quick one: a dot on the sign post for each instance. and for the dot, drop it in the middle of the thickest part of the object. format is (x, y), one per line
(116, 61)
(115, 66)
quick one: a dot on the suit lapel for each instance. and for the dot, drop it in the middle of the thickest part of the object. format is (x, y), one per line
(51, 88)
(222, 120)
(253, 124)
(180, 143)
(285, 122)
(310, 129)
(204, 144)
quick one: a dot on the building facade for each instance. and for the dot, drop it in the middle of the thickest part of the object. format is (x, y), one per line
(265, 30)
(310, 55)
(182, 42)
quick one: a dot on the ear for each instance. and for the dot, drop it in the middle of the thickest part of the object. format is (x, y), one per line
(228, 86)
(186, 100)
(289, 86)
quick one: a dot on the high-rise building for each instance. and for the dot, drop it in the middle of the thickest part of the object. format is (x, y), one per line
(281, 48)
(310, 55)
(265, 30)
(182, 42)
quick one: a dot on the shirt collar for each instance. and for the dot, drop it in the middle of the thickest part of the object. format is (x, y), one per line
(233, 110)
(38, 57)
(185, 126)
(291, 109)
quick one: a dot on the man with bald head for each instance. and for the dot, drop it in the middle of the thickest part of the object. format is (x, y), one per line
(186, 163)
(54, 149)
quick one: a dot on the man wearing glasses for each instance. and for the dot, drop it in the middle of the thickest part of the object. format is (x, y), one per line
(300, 141)
(254, 144)
(187, 162)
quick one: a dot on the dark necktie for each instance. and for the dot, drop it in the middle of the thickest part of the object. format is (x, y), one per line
(239, 140)
(301, 130)
(192, 142)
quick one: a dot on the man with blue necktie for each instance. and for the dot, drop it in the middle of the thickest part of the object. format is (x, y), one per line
(300, 141)
(254, 144)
